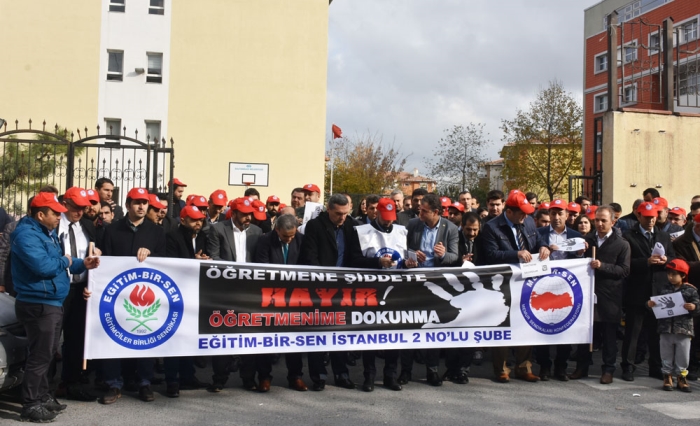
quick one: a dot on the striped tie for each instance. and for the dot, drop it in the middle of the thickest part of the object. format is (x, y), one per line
(522, 244)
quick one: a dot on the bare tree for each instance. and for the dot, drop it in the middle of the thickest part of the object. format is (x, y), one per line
(458, 157)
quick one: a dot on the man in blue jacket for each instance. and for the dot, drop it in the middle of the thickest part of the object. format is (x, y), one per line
(40, 274)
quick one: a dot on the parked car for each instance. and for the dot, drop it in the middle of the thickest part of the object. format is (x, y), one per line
(13, 345)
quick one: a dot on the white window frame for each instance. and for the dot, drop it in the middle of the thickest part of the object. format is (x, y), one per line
(596, 108)
(150, 138)
(598, 142)
(154, 75)
(627, 47)
(117, 6)
(113, 134)
(156, 10)
(652, 50)
(596, 68)
(623, 92)
(115, 75)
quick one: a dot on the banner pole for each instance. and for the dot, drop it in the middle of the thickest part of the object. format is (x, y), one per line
(91, 252)
(590, 346)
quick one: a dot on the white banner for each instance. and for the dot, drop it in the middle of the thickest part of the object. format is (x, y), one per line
(181, 307)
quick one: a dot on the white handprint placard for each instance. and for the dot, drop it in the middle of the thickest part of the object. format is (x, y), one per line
(669, 305)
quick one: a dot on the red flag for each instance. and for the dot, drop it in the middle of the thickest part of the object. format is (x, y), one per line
(337, 133)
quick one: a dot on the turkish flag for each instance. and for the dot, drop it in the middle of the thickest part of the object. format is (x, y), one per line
(337, 133)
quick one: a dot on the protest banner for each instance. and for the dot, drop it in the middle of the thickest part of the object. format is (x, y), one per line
(181, 307)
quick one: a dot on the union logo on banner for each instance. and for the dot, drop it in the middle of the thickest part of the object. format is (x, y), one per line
(141, 308)
(552, 303)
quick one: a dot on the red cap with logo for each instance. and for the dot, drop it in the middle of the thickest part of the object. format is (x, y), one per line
(176, 182)
(93, 196)
(154, 201)
(590, 211)
(445, 202)
(558, 204)
(544, 206)
(243, 205)
(48, 199)
(197, 201)
(273, 199)
(677, 211)
(260, 212)
(77, 196)
(311, 188)
(457, 206)
(660, 203)
(219, 197)
(192, 212)
(387, 209)
(138, 194)
(517, 199)
(679, 265)
(574, 207)
(647, 209)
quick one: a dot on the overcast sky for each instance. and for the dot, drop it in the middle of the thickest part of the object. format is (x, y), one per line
(408, 69)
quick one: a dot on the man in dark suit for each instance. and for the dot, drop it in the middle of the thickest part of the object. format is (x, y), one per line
(470, 243)
(406, 215)
(234, 240)
(510, 238)
(611, 263)
(647, 274)
(325, 243)
(553, 236)
(435, 240)
(281, 246)
(185, 241)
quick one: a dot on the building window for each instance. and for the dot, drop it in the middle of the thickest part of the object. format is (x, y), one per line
(152, 131)
(600, 103)
(630, 50)
(599, 142)
(654, 44)
(155, 68)
(115, 68)
(688, 82)
(629, 94)
(113, 127)
(117, 5)
(689, 31)
(157, 7)
(601, 62)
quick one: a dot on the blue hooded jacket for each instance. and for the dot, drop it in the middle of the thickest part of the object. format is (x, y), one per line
(39, 268)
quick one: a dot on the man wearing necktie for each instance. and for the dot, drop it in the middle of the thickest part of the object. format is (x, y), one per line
(511, 237)
(647, 275)
(281, 246)
(75, 236)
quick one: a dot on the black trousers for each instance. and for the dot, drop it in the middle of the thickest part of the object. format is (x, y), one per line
(636, 319)
(391, 362)
(458, 359)
(543, 356)
(73, 334)
(317, 371)
(431, 356)
(43, 326)
(608, 333)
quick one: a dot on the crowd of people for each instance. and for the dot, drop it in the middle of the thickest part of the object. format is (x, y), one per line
(45, 256)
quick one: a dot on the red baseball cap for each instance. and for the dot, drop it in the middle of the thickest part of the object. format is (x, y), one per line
(93, 196)
(282, 205)
(243, 205)
(457, 206)
(192, 212)
(273, 199)
(660, 203)
(48, 199)
(387, 209)
(311, 188)
(176, 182)
(558, 204)
(696, 218)
(445, 202)
(154, 201)
(647, 209)
(544, 206)
(677, 211)
(679, 265)
(219, 198)
(197, 201)
(574, 207)
(260, 212)
(590, 211)
(78, 196)
(517, 199)
(138, 194)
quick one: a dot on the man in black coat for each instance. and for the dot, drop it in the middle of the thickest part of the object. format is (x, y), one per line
(282, 246)
(132, 235)
(185, 241)
(471, 246)
(612, 264)
(647, 275)
(325, 244)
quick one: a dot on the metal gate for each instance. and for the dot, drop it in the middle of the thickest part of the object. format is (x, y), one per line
(31, 158)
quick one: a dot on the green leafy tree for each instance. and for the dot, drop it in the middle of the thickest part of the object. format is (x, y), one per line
(364, 165)
(543, 144)
(456, 161)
